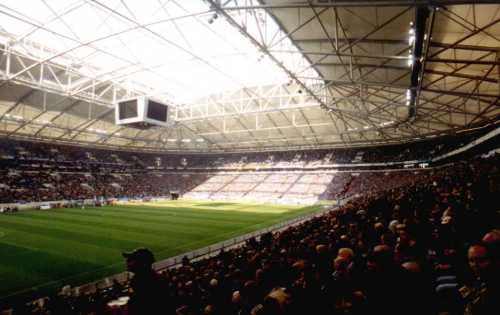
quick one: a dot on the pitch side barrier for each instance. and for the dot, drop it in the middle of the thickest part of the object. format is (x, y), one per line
(45, 205)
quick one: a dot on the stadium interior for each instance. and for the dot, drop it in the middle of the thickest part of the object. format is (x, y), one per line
(249, 157)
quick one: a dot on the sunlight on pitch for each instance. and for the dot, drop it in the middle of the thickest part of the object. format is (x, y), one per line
(223, 206)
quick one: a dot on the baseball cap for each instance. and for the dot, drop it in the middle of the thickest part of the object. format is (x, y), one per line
(141, 254)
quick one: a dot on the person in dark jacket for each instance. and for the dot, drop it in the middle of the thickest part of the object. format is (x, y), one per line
(148, 290)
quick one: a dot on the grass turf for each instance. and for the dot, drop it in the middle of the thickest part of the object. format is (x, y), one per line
(42, 250)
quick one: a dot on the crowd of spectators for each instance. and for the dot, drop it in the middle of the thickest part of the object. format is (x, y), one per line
(429, 246)
(43, 186)
(48, 156)
(279, 187)
(47, 172)
(42, 172)
(285, 187)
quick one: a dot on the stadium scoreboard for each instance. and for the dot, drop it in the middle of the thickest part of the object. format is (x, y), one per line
(141, 112)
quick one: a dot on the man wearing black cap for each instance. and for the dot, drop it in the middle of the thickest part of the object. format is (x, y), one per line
(148, 290)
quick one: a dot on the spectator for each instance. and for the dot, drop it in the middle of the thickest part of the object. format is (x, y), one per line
(483, 295)
(147, 288)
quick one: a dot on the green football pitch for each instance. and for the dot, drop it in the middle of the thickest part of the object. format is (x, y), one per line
(41, 250)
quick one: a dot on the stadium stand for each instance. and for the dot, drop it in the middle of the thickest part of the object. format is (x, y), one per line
(400, 249)
(357, 143)
(42, 172)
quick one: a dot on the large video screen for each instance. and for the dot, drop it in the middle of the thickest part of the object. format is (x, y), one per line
(157, 111)
(127, 109)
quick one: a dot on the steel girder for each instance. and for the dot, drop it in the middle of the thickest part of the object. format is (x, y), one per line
(345, 83)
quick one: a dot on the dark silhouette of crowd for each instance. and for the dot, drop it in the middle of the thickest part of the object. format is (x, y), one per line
(430, 246)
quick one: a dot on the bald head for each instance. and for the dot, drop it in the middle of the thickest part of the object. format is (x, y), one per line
(479, 261)
(492, 237)
(214, 283)
(299, 265)
(208, 310)
(321, 249)
(411, 266)
(380, 249)
(381, 258)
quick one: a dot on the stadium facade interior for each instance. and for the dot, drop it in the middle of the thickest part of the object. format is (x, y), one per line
(385, 111)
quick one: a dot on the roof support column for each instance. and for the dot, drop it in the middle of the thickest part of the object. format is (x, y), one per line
(7, 61)
(426, 45)
(421, 16)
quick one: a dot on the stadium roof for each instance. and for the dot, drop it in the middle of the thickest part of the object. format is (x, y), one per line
(249, 75)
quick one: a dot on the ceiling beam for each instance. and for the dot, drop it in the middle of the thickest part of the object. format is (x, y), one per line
(333, 54)
(352, 3)
(347, 41)
(458, 93)
(471, 34)
(363, 65)
(419, 54)
(216, 6)
(460, 75)
(466, 47)
(385, 41)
